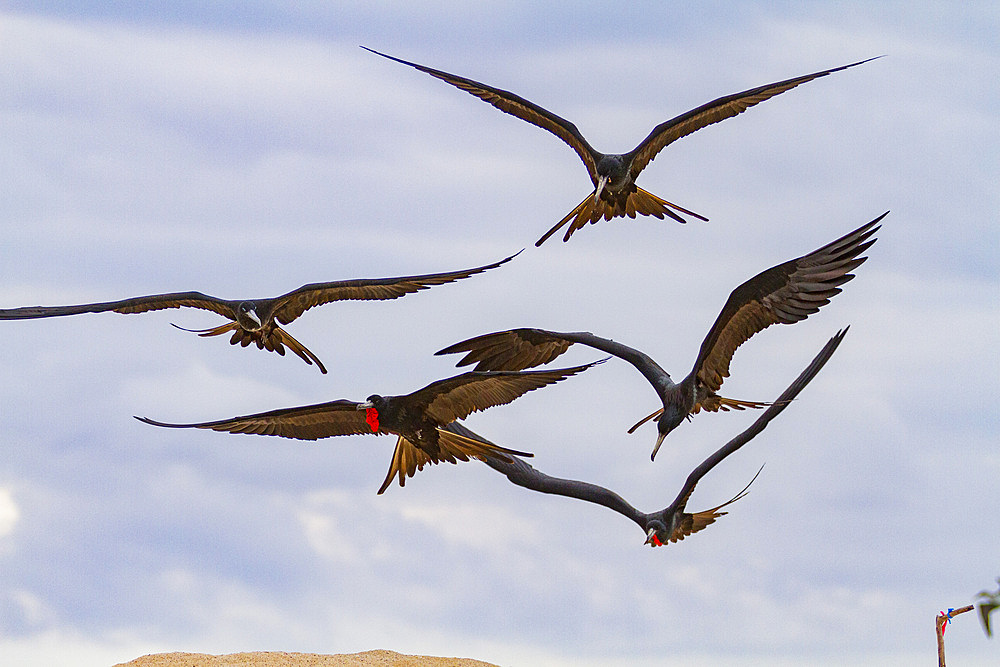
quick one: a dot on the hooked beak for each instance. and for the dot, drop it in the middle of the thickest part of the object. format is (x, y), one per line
(656, 447)
(367, 405)
(652, 539)
(252, 314)
(601, 182)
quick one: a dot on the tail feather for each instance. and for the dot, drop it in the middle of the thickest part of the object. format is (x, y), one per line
(646, 419)
(298, 348)
(649, 204)
(640, 202)
(692, 523)
(407, 458)
(584, 209)
(715, 403)
(214, 331)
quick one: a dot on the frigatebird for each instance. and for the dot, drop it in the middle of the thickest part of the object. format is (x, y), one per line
(783, 294)
(256, 320)
(672, 523)
(613, 174)
(417, 418)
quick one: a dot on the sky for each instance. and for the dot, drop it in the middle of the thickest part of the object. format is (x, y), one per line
(245, 149)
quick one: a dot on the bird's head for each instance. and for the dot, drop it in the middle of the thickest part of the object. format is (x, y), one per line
(247, 316)
(661, 528)
(608, 168)
(373, 401)
(609, 165)
(657, 533)
(671, 418)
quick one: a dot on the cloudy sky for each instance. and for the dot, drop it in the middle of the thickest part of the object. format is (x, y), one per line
(244, 149)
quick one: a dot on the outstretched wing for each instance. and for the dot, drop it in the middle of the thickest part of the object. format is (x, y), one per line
(309, 422)
(783, 294)
(407, 458)
(525, 348)
(139, 304)
(713, 112)
(512, 350)
(459, 396)
(290, 306)
(773, 410)
(517, 106)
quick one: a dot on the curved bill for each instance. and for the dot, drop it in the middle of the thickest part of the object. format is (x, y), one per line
(601, 182)
(656, 447)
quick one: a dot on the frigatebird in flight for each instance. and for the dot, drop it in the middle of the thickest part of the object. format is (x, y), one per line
(783, 294)
(418, 418)
(613, 175)
(672, 523)
(256, 320)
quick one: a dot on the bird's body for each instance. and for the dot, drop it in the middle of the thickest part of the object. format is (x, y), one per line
(614, 174)
(417, 418)
(674, 522)
(257, 320)
(786, 293)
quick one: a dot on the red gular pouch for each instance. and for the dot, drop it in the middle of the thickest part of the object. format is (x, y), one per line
(371, 416)
(656, 541)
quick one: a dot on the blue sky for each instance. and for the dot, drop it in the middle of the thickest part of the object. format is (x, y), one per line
(243, 150)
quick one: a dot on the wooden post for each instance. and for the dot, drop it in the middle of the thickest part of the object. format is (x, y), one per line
(939, 622)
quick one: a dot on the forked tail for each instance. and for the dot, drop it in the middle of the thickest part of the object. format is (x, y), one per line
(640, 202)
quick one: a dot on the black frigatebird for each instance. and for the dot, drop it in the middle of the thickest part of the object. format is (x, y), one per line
(417, 418)
(256, 320)
(783, 294)
(672, 523)
(613, 175)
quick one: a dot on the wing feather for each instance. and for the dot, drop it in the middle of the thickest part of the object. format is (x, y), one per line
(783, 294)
(459, 396)
(517, 106)
(512, 350)
(290, 306)
(309, 422)
(139, 304)
(712, 112)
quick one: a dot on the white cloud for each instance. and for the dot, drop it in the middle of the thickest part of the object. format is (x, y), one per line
(10, 513)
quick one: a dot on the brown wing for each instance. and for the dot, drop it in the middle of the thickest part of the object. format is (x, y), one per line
(309, 422)
(517, 106)
(512, 350)
(713, 112)
(407, 459)
(290, 306)
(139, 304)
(459, 396)
(783, 294)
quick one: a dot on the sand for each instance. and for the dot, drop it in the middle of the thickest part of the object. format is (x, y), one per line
(281, 659)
